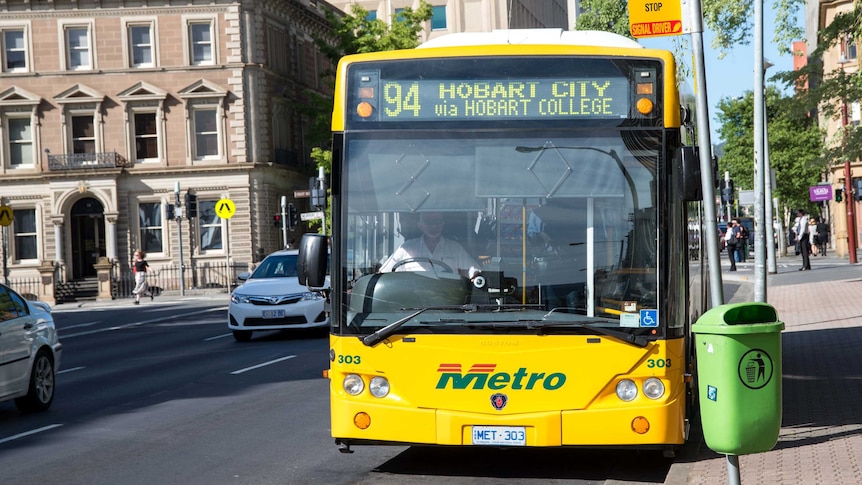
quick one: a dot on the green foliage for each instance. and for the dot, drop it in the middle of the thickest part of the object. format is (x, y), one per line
(794, 146)
(732, 21)
(828, 92)
(605, 15)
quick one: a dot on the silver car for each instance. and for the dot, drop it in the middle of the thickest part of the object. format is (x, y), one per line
(29, 352)
(271, 298)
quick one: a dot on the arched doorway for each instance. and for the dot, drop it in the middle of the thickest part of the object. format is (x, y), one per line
(87, 231)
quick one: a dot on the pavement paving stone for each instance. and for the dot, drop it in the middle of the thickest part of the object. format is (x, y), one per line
(820, 441)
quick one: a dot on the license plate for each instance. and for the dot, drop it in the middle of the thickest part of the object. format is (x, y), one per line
(500, 435)
(273, 314)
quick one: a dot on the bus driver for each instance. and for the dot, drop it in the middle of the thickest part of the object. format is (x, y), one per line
(421, 253)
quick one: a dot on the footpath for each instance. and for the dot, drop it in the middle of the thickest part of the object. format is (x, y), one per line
(820, 441)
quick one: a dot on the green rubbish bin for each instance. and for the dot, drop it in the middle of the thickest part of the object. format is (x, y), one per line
(738, 351)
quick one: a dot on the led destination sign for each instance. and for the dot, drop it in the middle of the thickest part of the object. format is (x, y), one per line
(489, 99)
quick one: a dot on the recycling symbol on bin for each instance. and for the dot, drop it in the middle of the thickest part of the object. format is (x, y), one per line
(755, 369)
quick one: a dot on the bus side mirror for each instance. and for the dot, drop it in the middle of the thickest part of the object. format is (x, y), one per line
(311, 265)
(690, 186)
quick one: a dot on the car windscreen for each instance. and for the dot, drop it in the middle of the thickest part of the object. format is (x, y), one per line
(277, 266)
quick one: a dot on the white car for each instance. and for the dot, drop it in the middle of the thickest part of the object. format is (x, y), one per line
(271, 298)
(29, 352)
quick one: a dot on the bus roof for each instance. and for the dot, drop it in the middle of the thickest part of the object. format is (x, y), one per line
(533, 36)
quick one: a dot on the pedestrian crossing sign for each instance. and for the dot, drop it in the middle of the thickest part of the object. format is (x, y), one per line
(5, 215)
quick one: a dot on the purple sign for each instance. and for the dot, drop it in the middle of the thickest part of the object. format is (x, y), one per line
(820, 192)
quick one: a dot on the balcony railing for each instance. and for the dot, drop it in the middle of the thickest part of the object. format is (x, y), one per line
(84, 161)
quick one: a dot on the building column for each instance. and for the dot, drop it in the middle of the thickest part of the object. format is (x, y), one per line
(59, 243)
(111, 235)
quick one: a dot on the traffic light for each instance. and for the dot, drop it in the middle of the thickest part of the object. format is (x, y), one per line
(292, 217)
(277, 222)
(839, 194)
(171, 212)
(727, 195)
(191, 205)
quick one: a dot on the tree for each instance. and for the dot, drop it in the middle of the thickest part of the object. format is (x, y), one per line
(355, 33)
(605, 15)
(795, 146)
(828, 93)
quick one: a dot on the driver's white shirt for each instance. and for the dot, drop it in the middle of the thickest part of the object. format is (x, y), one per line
(449, 252)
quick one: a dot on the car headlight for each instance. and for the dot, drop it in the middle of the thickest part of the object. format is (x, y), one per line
(627, 390)
(311, 295)
(238, 298)
(653, 388)
(379, 386)
(353, 384)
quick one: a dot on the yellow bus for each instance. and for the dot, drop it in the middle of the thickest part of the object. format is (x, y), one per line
(510, 245)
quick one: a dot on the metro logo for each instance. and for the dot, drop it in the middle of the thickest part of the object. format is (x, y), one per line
(480, 377)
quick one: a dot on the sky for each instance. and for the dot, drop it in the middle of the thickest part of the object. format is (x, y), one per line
(734, 74)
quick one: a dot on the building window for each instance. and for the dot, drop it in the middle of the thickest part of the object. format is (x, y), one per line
(78, 52)
(25, 234)
(150, 223)
(399, 15)
(855, 113)
(201, 43)
(83, 134)
(141, 45)
(210, 226)
(848, 49)
(146, 137)
(371, 16)
(438, 17)
(206, 134)
(20, 142)
(14, 50)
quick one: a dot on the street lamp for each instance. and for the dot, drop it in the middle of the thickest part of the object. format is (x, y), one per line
(849, 200)
(767, 185)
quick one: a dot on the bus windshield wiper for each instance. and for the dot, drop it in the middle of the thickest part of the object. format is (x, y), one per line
(372, 339)
(628, 338)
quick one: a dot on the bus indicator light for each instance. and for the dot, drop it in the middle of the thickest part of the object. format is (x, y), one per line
(362, 420)
(364, 109)
(644, 106)
(640, 425)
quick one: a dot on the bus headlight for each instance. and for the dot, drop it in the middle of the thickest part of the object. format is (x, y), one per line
(379, 386)
(627, 390)
(653, 388)
(353, 384)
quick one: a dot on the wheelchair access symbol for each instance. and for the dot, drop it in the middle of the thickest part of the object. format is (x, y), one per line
(649, 318)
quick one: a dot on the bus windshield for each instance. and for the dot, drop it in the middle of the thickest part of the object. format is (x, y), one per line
(494, 231)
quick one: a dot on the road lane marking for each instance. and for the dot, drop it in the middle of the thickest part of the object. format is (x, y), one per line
(88, 324)
(28, 433)
(218, 337)
(137, 324)
(262, 365)
(73, 369)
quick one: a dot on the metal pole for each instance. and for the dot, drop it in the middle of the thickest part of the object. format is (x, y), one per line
(772, 267)
(733, 469)
(703, 141)
(848, 190)
(229, 268)
(5, 256)
(759, 172)
(179, 219)
(321, 179)
(851, 219)
(284, 222)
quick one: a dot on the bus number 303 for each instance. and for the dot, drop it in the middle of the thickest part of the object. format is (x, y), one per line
(349, 359)
(658, 363)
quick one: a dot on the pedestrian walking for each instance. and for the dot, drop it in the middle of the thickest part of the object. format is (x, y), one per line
(140, 266)
(822, 236)
(802, 232)
(731, 240)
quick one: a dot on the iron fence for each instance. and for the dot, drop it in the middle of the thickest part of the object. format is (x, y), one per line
(28, 288)
(196, 276)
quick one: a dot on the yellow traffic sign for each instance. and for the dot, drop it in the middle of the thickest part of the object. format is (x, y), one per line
(225, 208)
(653, 18)
(5, 215)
